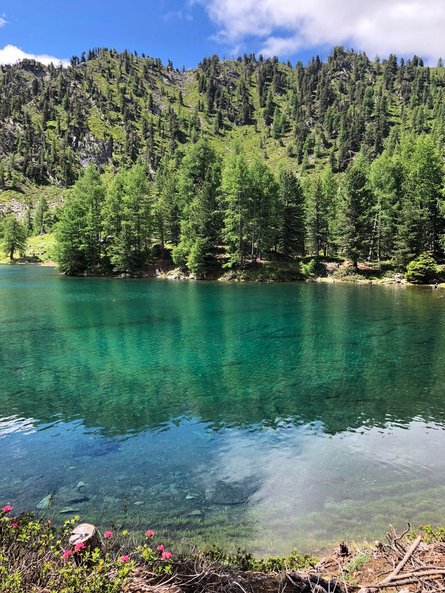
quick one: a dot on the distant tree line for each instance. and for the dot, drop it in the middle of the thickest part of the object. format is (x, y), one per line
(238, 209)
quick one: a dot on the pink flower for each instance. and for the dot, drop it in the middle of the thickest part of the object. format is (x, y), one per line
(125, 559)
(108, 534)
(195, 555)
(14, 524)
(160, 548)
(67, 554)
(150, 533)
(420, 525)
(166, 555)
(422, 535)
(7, 508)
(50, 522)
(79, 546)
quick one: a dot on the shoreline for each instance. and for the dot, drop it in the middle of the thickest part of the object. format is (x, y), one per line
(235, 277)
(78, 557)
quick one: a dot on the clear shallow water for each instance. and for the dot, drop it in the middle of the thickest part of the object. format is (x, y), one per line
(268, 416)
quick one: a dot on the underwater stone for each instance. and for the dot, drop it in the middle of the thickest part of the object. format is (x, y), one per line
(45, 503)
(68, 510)
(195, 513)
(73, 497)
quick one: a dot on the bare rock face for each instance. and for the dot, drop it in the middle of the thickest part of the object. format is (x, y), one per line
(93, 150)
(14, 206)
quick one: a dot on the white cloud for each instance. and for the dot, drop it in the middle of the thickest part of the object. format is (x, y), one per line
(11, 54)
(282, 27)
(2, 21)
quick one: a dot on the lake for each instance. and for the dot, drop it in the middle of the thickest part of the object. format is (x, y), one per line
(265, 416)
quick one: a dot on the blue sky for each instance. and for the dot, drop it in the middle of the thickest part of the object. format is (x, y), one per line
(187, 30)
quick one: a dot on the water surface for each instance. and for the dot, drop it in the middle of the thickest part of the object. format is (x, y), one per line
(266, 416)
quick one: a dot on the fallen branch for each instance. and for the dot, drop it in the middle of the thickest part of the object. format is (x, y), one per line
(404, 560)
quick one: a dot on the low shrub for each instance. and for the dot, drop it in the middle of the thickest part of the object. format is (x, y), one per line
(422, 269)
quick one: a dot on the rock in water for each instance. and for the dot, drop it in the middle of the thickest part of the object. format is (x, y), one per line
(73, 497)
(45, 503)
(195, 513)
(226, 493)
(95, 448)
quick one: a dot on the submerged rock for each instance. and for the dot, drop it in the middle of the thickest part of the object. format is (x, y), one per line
(195, 513)
(95, 448)
(67, 511)
(45, 503)
(74, 497)
(227, 493)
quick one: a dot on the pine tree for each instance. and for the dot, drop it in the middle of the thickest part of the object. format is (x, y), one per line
(167, 212)
(276, 124)
(236, 190)
(78, 232)
(131, 243)
(263, 208)
(330, 196)
(269, 108)
(356, 212)
(291, 229)
(421, 220)
(199, 180)
(42, 217)
(14, 235)
(317, 218)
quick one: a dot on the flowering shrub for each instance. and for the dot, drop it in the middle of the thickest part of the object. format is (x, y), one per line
(428, 534)
(33, 551)
(35, 555)
(247, 561)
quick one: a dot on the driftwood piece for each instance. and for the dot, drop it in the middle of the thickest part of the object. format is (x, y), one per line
(404, 560)
(86, 534)
(413, 580)
(422, 575)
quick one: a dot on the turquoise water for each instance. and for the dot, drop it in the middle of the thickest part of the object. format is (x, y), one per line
(266, 416)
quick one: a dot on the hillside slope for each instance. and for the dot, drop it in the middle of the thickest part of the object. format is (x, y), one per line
(114, 107)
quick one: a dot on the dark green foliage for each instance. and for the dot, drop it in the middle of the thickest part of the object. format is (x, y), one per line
(236, 193)
(42, 217)
(291, 229)
(356, 213)
(79, 230)
(128, 220)
(422, 269)
(199, 181)
(13, 235)
(318, 218)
